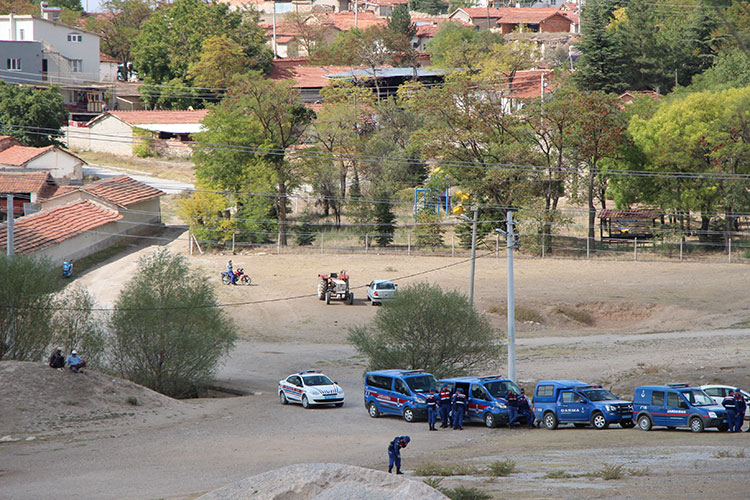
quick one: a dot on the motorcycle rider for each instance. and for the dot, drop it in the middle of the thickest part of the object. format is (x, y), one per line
(230, 273)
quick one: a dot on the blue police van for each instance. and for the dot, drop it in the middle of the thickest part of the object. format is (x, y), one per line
(485, 397)
(676, 405)
(575, 402)
(398, 392)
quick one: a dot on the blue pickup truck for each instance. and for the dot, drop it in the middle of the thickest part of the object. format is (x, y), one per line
(575, 402)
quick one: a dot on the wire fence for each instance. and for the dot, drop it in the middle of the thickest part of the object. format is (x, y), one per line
(735, 250)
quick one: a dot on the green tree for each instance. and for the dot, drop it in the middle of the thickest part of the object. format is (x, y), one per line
(26, 306)
(169, 333)
(384, 220)
(260, 119)
(79, 326)
(220, 61)
(602, 63)
(429, 229)
(431, 7)
(424, 327)
(121, 26)
(731, 69)
(400, 22)
(464, 47)
(68, 4)
(24, 111)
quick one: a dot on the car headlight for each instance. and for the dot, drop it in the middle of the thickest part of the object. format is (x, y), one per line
(419, 399)
(501, 405)
(610, 408)
(712, 414)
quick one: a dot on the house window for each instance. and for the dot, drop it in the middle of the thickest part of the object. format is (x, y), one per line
(13, 64)
(76, 65)
(75, 37)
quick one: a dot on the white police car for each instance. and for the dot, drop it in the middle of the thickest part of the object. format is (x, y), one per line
(310, 388)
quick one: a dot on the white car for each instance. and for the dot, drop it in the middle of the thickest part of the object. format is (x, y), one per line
(310, 388)
(719, 392)
(380, 290)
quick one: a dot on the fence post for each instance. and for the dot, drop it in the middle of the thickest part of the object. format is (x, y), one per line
(635, 249)
(278, 244)
(408, 243)
(233, 243)
(453, 245)
(321, 241)
(588, 247)
(730, 250)
(190, 243)
(682, 239)
(366, 242)
(497, 246)
(543, 244)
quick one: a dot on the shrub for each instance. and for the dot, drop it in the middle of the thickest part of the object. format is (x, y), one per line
(582, 317)
(558, 474)
(609, 472)
(424, 327)
(501, 467)
(465, 493)
(27, 287)
(433, 469)
(305, 233)
(77, 326)
(169, 335)
(523, 313)
(429, 231)
(132, 400)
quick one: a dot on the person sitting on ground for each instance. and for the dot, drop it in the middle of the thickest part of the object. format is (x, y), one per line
(56, 360)
(76, 363)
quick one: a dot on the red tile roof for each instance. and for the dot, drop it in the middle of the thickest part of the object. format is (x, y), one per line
(527, 84)
(27, 182)
(122, 190)
(480, 12)
(108, 59)
(631, 213)
(42, 229)
(344, 21)
(7, 141)
(157, 117)
(18, 156)
(306, 76)
(527, 15)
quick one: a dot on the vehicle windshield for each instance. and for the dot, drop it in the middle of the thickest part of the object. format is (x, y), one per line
(499, 388)
(317, 380)
(421, 383)
(598, 395)
(386, 286)
(697, 397)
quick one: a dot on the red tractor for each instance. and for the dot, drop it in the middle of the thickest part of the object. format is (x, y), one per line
(335, 286)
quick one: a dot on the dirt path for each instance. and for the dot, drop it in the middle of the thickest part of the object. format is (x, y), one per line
(664, 321)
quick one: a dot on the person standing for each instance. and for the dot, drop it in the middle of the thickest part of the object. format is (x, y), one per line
(432, 403)
(445, 406)
(730, 404)
(76, 363)
(741, 408)
(394, 452)
(459, 406)
(56, 360)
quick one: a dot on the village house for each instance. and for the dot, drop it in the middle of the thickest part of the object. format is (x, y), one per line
(119, 132)
(64, 166)
(79, 221)
(27, 188)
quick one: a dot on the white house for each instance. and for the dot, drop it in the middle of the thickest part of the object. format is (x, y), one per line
(65, 167)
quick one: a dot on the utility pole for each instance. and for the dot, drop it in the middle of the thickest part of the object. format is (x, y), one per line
(275, 52)
(511, 245)
(9, 213)
(356, 14)
(473, 254)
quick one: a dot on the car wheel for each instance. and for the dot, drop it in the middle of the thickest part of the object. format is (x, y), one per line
(627, 424)
(599, 422)
(305, 402)
(490, 420)
(550, 421)
(408, 414)
(282, 398)
(328, 297)
(339, 405)
(373, 303)
(372, 409)
(644, 423)
(696, 424)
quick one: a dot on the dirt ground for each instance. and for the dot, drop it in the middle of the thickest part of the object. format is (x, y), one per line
(616, 323)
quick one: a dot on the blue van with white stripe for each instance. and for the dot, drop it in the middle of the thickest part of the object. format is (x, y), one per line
(398, 392)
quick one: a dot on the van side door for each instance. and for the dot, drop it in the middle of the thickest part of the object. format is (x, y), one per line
(658, 408)
(677, 410)
(402, 394)
(479, 400)
(572, 408)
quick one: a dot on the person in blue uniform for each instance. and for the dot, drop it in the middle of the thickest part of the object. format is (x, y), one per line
(459, 406)
(445, 406)
(432, 404)
(730, 405)
(524, 409)
(741, 408)
(394, 452)
(512, 407)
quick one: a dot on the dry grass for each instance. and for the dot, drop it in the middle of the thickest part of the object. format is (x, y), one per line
(645, 369)
(523, 314)
(576, 315)
(433, 469)
(729, 454)
(174, 169)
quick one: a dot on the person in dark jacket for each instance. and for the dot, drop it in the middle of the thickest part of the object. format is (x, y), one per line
(432, 404)
(56, 360)
(730, 405)
(524, 409)
(459, 407)
(512, 407)
(741, 408)
(445, 406)
(394, 452)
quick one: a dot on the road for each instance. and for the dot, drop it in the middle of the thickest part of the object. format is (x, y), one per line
(166, 185)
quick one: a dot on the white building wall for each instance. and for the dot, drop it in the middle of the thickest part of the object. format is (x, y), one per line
(108, 135)
(107, 72)
(83, 245)
(64, 168)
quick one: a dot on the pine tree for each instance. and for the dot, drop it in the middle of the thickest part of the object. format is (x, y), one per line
(385, 221)
(400, 22)
(431, 7)
(601, 64)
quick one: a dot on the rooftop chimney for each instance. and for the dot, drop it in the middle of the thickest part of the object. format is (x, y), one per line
(50, 13)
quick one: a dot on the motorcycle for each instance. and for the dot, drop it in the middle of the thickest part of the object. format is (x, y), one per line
(67, 269)
(240, 277)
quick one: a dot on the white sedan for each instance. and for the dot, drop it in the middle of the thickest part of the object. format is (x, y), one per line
(718, 392)
(310, 388)
(380, 290)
